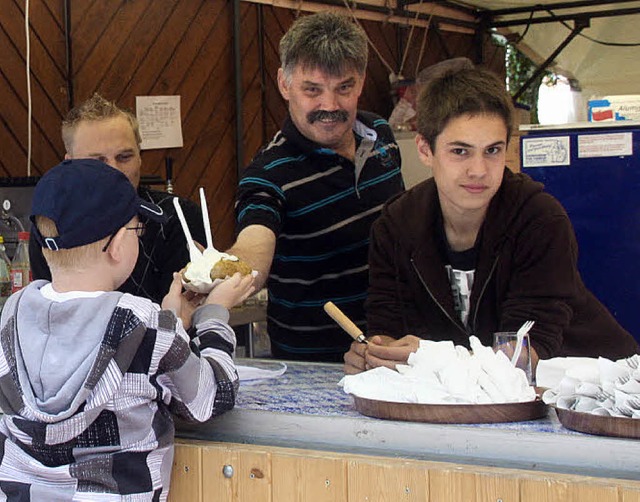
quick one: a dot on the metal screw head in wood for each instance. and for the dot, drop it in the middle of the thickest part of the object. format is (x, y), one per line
(227, 471)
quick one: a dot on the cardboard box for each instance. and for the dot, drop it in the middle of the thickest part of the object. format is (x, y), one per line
(613, 108)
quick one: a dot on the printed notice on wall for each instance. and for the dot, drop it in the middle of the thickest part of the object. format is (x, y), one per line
(159, 118)
(542, 152)
(605, 145)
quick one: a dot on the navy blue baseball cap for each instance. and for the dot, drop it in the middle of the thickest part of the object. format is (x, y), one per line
(88, 200)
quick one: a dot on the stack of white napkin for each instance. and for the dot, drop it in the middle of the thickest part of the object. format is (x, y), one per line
(598, 386)
(441, 373)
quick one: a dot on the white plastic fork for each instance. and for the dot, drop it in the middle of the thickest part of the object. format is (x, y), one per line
(524, 329)
(194, 252)
(633, 362)
(205, 220)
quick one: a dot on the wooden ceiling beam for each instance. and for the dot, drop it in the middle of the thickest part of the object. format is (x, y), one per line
(446, 18)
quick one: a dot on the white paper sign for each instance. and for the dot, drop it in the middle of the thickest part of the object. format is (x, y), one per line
(538, 152)
(159, 119)
(605, 145)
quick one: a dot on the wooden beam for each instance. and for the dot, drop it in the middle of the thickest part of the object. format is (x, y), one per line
(445, 17)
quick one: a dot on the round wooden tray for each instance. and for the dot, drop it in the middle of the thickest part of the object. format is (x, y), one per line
(452, 413)
(596, 424)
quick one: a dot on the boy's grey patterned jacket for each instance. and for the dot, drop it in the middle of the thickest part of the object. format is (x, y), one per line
(88, 387)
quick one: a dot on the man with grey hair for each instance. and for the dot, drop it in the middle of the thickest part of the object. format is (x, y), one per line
(306, 202)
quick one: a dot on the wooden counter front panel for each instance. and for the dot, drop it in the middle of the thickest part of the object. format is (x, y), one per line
(270, 474)
(186, 477)
(463, 484)
(251, 479)
(379, 480)
(570, 491)
(309, 478)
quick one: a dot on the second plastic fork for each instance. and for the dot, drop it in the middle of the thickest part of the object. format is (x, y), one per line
(524, 329)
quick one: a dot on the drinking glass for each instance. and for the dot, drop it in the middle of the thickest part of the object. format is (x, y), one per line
(505, 341)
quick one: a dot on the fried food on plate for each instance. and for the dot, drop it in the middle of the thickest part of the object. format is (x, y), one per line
(201, 275)
(226, 268)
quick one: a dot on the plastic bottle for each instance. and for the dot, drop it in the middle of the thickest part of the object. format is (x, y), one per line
(5, 274)
(20, 267)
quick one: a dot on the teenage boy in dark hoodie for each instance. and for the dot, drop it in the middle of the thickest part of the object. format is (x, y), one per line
(476, 249)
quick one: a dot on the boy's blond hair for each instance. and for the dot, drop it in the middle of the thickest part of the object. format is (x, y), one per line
(461, 90)
(95, 109)
(67, 259)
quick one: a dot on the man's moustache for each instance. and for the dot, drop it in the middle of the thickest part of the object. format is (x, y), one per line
(335, 116)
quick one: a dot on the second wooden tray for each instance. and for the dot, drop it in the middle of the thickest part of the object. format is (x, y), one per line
(602, 426)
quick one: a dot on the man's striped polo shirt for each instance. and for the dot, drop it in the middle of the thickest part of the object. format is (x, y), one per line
(320, 206)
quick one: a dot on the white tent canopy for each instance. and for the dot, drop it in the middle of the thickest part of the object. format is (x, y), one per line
(601, 57)
(601, 70)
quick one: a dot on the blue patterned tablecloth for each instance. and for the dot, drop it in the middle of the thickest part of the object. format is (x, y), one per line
(312, 389)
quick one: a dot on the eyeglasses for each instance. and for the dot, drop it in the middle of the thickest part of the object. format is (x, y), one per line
(139, 228)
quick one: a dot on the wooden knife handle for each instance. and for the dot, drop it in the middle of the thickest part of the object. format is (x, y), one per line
(345, 323)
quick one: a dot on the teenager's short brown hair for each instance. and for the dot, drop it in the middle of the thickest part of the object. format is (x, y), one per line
(459, 92)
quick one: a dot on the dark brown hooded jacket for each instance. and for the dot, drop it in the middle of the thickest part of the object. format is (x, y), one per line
(526, 269)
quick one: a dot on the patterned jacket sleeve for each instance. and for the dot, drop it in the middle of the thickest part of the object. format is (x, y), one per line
(198, 376)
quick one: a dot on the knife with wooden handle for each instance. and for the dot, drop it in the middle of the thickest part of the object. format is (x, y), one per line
(345, 323)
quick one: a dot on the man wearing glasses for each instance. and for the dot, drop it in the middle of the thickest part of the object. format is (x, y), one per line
(101, 130)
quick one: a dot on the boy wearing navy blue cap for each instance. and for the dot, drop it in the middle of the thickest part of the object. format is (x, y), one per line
(90, 376)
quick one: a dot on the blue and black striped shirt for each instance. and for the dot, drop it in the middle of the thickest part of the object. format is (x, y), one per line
(320, 206)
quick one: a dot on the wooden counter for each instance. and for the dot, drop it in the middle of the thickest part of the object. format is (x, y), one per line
(299, 438)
